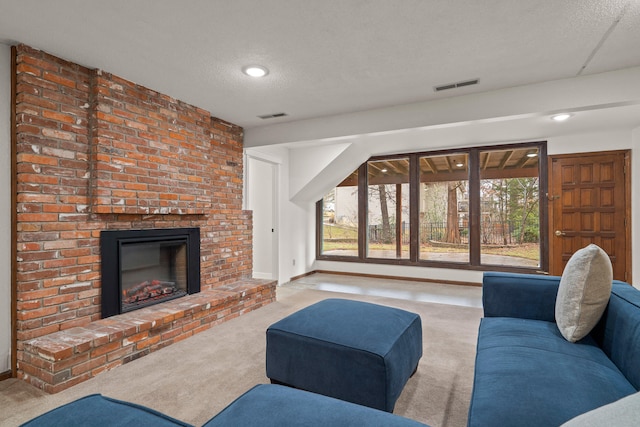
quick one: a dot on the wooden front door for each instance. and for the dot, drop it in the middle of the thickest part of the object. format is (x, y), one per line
(589, 202)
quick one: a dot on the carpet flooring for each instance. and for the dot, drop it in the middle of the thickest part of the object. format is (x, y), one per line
(196, 378)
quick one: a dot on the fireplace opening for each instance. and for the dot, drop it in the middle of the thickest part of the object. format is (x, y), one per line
(146, 267)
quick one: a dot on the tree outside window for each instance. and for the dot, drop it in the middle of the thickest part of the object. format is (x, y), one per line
(470, 207)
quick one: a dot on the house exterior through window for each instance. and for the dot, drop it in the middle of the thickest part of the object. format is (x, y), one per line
(476, 208)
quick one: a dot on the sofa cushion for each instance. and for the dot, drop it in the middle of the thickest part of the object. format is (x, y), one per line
(528, 296)
(527, 374)
(268, 405)
(618, 332)
(98, 411)
(584, 292)
(622, 413)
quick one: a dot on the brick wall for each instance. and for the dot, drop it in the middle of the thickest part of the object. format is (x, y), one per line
(151, 154)
(96, 152)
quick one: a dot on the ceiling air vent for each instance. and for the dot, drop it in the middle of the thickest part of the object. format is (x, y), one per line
(456, 85)
(272, 116)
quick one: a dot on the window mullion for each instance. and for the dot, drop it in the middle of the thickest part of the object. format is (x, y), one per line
(474, 207)
(414, 208)
(363, 208)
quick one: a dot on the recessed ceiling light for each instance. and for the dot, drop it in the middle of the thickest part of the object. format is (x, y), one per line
(383, 171)
(560, 117)
(255, 70)
(532, 154)
(459, 164)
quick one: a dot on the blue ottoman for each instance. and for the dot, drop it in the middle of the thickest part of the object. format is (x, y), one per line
(268, 405)
(96, 410)
(354, 351)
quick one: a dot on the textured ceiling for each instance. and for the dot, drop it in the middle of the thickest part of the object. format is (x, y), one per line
(328, 57)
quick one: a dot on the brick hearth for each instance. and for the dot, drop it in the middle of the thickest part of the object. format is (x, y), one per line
(97, 152)
(60, 360)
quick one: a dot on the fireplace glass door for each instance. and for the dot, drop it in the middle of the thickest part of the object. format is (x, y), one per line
(145, 267)
(152, 271)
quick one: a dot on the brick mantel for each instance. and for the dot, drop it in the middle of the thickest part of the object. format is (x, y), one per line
(97, 152)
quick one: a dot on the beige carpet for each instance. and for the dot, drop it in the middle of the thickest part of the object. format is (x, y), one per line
(196, 378)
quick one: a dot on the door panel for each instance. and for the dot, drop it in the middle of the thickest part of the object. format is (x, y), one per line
(261, 182)
(588, 204)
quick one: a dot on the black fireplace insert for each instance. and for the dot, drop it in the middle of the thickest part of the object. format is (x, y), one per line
(146, 267)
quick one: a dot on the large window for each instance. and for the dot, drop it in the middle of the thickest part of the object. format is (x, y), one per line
(509, 208)
(339, 219)
(470, 208)
(444, 207)
(388, 227)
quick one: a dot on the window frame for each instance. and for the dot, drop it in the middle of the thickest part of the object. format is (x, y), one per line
(366, 211)
(474, 263)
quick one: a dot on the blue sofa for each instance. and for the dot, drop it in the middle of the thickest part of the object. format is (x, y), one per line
(527, 374)
(99, 411)
(264, 405)
(271, 405)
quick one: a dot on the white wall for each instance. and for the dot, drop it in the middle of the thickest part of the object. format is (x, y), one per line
(5, 208)
(309, 162)
(294, 255)
(606, 140)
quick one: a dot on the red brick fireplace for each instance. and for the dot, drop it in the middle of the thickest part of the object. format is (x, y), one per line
(96, 152)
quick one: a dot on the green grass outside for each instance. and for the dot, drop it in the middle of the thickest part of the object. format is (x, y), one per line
(340, 232)
(527, 250)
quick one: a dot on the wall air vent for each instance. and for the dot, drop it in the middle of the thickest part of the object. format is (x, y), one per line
(456, 85)
(272, 116)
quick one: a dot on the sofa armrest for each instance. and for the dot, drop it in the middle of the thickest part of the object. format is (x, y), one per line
(526, 296)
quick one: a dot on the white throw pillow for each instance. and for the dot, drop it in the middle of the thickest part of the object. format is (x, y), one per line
(622, 413)
(584, 291)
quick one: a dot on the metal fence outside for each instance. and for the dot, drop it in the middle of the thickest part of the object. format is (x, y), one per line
(491, 233)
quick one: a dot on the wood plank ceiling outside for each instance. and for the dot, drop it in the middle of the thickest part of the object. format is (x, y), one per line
(494, 164)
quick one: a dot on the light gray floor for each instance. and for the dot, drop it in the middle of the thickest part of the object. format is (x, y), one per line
(438, 293)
